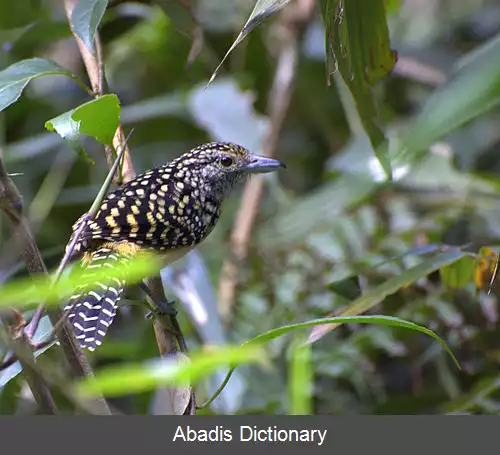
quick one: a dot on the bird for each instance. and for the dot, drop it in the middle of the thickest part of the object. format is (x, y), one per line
(169, 210)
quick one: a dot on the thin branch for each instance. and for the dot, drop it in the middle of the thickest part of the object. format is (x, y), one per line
(54, 378)
(94, 65)
(89, 59)
(127, 171)
(101, 81)
(167, 331)
(153, 288)
(11, 205)
(293, 21)
(36, 382)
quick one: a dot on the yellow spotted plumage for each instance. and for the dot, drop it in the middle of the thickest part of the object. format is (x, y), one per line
(170, 209)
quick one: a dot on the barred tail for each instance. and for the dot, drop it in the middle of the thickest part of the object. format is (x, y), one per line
(93, 308)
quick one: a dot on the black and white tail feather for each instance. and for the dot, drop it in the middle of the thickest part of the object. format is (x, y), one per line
(93, 307)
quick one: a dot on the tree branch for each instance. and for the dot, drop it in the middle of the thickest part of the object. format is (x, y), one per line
(11, 205)
(94, 65)
(168, 336)
(293, 21)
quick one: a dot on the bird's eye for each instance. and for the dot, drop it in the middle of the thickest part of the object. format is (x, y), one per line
(226, 161)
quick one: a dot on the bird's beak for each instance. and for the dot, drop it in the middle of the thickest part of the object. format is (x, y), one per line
(261, 164)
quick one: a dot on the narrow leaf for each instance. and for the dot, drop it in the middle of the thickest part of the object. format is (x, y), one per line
(262, 10)
(348, 287)
(27, 292)
(336, 321)
(9, 37)
(116, 381)
(473, 90)
(300, 382)
(391, 286)
(358, 46)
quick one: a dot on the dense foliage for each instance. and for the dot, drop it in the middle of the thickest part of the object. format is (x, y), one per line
(387, 207)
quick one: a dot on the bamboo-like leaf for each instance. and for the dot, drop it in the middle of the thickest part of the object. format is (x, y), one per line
(262, 10)
(392, 285)
(27, 292)
(358, 46)
(473, 90)
(116, 381)
(300, 381)
(335, 322)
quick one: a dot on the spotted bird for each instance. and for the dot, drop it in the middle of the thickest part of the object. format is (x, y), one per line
(170, 209)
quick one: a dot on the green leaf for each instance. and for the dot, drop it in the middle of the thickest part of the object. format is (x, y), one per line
(391, 286)
(85, 19)
(14, 79)
(348, 287)
(121, 380)
(262, 10)
(358, 46)
(27, 292)
(300, 382)
(336, 321)
(479, 392)
(473, 90)
(68, 129)
(458, 274)
(98, 118)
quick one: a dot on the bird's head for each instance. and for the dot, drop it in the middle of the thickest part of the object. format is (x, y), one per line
(223, 164)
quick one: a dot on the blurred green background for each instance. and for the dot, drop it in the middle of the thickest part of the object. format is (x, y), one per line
(323, 224)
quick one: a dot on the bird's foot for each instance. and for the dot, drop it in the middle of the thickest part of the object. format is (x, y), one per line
(163, 308)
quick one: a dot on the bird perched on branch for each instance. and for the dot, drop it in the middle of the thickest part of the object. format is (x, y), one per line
(170, 209)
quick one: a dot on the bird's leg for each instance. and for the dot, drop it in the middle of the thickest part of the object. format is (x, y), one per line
(163, 307)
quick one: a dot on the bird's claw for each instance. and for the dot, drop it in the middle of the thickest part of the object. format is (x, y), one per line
(164, 308)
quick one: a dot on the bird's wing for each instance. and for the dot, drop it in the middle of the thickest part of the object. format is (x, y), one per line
(150, 211)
